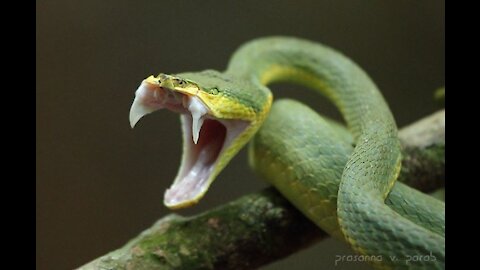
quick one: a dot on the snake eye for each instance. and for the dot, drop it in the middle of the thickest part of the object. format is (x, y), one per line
(182, 83)
(213, 91)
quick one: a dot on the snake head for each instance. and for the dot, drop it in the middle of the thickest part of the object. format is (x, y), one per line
(217, 117)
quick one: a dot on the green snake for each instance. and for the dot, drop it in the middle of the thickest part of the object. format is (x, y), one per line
(343, 191)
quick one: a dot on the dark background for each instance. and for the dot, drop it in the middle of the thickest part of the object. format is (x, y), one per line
(99, 183)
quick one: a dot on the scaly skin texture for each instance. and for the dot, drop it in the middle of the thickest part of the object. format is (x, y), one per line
(365, 221)
(350, 206)
(308, 174)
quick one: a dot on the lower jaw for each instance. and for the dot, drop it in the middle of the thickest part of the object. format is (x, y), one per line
(201, 162)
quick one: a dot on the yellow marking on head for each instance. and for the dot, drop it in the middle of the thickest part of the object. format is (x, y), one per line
(225, 107)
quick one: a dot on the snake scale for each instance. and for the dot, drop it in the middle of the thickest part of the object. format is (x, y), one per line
(343, 189)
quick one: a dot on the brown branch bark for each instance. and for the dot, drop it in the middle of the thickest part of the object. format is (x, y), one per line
(263, 227)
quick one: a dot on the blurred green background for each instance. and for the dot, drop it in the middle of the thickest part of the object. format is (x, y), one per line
(99, 183)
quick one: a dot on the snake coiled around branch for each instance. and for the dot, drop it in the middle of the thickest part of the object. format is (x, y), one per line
(222, 111)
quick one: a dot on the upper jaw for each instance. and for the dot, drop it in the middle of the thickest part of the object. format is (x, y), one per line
(153, 95)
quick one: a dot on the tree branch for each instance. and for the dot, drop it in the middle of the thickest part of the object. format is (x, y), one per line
(263, 227)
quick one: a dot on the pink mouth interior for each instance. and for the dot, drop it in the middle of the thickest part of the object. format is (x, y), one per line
(198, 160)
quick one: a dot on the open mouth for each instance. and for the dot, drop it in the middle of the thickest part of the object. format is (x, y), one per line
(205, 138)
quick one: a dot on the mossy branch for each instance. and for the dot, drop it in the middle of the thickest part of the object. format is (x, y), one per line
(262, 227)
